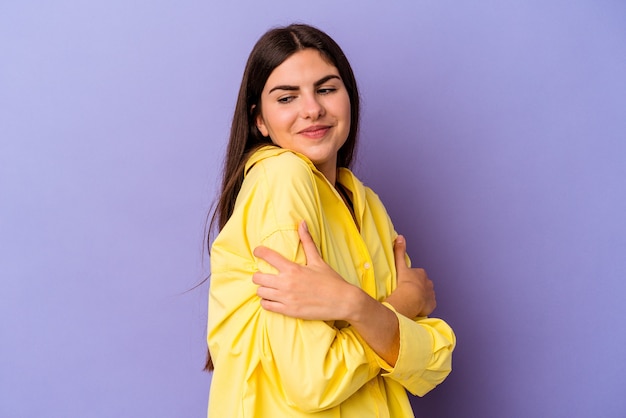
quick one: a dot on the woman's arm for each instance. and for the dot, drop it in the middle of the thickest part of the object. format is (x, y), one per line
(421, 348)
(315, 291)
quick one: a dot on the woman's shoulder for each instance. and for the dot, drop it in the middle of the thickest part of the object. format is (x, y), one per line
(278, 163)
(277, 181)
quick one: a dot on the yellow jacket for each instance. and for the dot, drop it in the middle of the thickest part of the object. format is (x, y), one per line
(269, 365)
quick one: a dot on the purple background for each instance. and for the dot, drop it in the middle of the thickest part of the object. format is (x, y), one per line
(495, 132)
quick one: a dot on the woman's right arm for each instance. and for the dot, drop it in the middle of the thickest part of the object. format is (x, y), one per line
(313, 363)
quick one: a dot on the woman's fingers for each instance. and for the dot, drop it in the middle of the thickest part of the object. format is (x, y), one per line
(272, 257)
(264, 279)
(399, 250)
(308, 245)
(269, 286)
(278, 261)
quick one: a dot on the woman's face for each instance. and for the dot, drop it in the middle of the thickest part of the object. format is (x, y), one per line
(305, 107)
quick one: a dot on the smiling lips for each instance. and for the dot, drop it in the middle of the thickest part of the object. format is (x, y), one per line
(315, 131)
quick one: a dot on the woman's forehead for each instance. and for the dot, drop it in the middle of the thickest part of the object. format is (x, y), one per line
(304, 66)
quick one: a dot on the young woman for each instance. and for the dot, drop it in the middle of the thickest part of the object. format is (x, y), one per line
(313, 309)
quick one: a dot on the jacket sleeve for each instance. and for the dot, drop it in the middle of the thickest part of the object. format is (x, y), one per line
(425, 357)
(315, 364)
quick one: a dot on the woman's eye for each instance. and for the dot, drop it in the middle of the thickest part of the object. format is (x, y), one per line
(285, 99)
(326, 90)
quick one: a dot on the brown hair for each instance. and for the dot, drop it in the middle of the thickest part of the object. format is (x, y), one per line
(271, 50)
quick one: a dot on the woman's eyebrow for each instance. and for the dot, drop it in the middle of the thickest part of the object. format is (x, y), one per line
(316, 84)
(284, 87)
(325, 79)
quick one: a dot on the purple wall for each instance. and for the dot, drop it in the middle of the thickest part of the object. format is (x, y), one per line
(496, 135)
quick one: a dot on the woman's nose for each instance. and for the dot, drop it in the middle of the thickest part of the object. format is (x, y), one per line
(311, 107)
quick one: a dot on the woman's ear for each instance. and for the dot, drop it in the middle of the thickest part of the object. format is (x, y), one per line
(260, 123)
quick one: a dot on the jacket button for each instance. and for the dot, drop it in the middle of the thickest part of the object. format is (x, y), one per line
(366, 266)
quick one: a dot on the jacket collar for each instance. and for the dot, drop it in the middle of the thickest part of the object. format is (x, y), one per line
(344, 175)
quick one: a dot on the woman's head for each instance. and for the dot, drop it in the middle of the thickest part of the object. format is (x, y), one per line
(270, 51)
(305, 107)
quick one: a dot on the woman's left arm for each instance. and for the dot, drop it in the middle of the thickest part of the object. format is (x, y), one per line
(417, 353)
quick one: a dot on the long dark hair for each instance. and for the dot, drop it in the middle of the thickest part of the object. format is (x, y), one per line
(271, 50)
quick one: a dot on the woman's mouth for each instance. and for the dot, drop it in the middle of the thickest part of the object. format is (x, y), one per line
(315, 132)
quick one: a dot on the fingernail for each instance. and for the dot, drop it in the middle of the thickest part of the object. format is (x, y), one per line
(399, 239)
(306, 228)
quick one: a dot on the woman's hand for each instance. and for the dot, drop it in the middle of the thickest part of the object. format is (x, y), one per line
(313, 291)
(415, 294)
